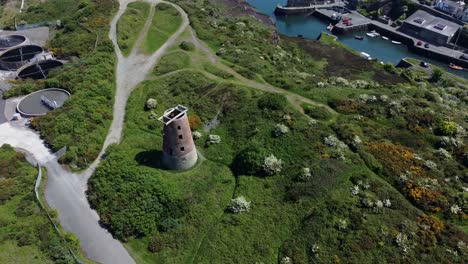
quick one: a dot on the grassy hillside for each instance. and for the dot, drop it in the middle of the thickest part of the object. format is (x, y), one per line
(26, 234)
(381, 180)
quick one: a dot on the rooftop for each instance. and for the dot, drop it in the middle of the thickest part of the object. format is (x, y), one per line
(427, 21)
(172, 114)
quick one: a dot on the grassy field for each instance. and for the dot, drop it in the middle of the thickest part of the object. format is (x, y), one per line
(26, 234)
(130, 25)
(166, 21)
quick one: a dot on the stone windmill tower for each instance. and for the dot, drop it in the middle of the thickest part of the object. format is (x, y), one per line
(179, 152)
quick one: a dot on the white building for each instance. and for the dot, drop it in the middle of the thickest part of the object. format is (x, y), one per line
(462, 15)
(450, 7)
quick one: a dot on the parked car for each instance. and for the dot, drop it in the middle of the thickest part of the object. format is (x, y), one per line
(426, 46)
(424, 64)
(464, 57)
(419, 43)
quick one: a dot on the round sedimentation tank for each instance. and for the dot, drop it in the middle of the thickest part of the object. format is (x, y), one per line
(16, 57)
(179, 152)
(38, 70)
(42, 102)
(10, 41)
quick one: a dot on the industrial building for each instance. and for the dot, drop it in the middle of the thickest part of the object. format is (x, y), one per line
(429, 28)
(179, 151)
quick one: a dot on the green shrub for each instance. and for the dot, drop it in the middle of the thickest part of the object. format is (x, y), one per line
(317, 112)
(249, 161)
(186, 45)
(447, 128)
(272, 101)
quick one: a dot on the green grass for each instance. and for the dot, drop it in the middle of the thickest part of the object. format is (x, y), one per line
(130, 25)
(166, 21)
(172, 61)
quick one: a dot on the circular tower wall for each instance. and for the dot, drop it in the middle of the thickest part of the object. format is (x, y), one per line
(179, 151)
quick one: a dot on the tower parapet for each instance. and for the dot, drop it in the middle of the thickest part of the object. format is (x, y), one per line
(179, 151)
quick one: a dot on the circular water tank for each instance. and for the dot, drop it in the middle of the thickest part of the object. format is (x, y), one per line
(10, 41)
(38, 70)
(16, 57)
(41, 102)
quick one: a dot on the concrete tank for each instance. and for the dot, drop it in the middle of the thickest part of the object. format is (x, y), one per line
(16, 57)
(10, 41)
(179, 151)
(38, 70)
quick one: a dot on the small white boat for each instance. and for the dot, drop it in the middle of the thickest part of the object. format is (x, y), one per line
(365, 56)
(396, 42)
(330, 27)
(384, 37)
(372, 34)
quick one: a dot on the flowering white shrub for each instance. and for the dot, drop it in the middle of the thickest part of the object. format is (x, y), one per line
(443, 154)
(286, 260)
(286, 117)
(272, 165)
(357, 141)
(312, 122)
(355, 190)
(402, 242)
(322, 84)
(315, 249)
(430, 164)
(280, 130)
(333, 141)
(151, 103)
(387, 203)
(238, 205)
(342, 224)
(305, 174)
(214, 139)
(455, 209)
(197, 135)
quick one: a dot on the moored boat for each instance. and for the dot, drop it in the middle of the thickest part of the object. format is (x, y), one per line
(372, 34)
(396, 42)
(384, 37)
(359, 37)
(455, 67)
(365, 56)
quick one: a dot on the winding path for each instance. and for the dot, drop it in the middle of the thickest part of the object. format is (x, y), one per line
(66, 191)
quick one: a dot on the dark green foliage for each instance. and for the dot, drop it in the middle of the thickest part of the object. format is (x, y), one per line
(272, 102)
(317, 112)
(437, 75)
(249, 161)
(187, 46)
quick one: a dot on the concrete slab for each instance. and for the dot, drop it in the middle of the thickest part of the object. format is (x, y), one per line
(38, 36)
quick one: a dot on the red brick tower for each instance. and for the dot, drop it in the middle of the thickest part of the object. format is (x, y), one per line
(179, 152)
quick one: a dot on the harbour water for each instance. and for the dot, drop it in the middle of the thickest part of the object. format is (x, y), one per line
(311, 27)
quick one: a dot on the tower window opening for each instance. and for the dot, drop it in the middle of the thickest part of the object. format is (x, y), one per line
(180, 136)
(178, 127)
(182, 148)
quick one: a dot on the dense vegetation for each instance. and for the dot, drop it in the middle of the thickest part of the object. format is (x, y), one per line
(26, 234)
(81, 124)
(382, 180)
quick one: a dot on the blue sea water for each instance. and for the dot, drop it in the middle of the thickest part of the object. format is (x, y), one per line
(311, 27)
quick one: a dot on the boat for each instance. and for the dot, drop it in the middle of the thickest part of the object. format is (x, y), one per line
(365, 56)
(359, 37)
(384, 37)
(396, 42)
(455, 67)
(330, 27)
(372, 34)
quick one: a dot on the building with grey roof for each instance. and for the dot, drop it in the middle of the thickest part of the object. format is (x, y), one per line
(429, 28)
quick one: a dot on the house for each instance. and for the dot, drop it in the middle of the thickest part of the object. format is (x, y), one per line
(429, 28)
(449, 7)
(462, 15)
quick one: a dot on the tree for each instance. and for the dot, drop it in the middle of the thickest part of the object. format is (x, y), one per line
(249, 161)
(437, 75)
